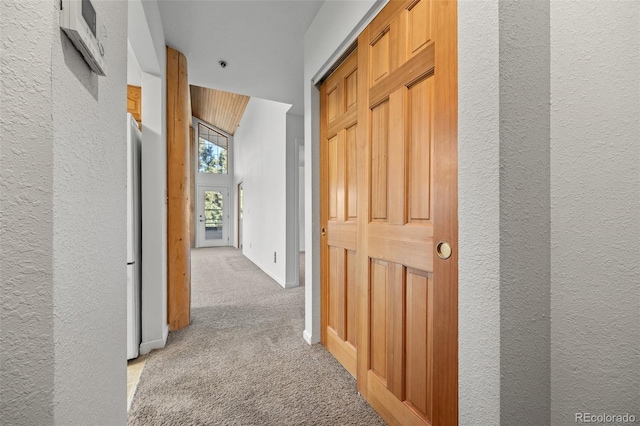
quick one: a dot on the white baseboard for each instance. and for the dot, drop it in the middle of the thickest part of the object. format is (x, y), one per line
(292, 284)
(146, 347)
(309, 338)
(165, 334)
(276, 279)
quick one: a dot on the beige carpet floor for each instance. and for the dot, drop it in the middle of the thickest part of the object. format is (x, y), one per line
(243, 361)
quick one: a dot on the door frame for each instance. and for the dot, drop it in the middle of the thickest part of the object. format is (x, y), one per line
(445, 129)
(240, 196)
(299, 148)
(343, 351)
(225, 216)
(327, 59)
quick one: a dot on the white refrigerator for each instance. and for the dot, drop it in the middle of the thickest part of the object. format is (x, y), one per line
(134, 237)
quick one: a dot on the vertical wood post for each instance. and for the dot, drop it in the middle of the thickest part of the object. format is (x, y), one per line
(192, 175)
(178, 192)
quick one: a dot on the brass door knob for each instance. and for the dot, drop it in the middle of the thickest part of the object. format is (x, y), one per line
(323, 231)
(443, 250)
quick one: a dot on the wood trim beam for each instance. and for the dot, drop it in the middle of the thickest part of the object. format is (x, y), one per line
(178, 192)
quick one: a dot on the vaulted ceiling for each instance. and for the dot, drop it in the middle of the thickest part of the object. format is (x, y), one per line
(261, 41)
(218, 108)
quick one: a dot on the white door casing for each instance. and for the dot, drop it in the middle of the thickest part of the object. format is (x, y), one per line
(213, 216)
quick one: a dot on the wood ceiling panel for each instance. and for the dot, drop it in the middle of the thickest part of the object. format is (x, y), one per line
(220, 109)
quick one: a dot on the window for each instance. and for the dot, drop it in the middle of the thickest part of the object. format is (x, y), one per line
(213, 219)
(212, 150)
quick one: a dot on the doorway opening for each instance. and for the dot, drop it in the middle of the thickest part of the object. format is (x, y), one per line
(213, 216)
(300, 195)
(240, 206)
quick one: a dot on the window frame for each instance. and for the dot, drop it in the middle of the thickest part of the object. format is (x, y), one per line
(220, 133)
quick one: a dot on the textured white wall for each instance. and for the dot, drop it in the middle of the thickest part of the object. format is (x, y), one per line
(146, 39)
(134, 74)
(260, 164)
(154, 213)
(89, 233)
(26, 228)
(295, 132)
(72, 251)
(525, 303)
(565, 210)
(478, 214)
(595, 205)
(301, 196)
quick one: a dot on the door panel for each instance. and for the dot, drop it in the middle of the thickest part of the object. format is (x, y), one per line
(380, 57)
(389, 195)
(379, 160)
(420, 109)
(419, 25)
(337, 293)
(418, 347)
(396, 155)
(407, 347)
(332, 102)
(351, 89)
(339, 214)
(352, 173)
(352, 262)
(213, 216)
(400, 244)
(378, 319)
(333, 177)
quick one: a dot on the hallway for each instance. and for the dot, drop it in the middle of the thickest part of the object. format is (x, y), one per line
(243, 360)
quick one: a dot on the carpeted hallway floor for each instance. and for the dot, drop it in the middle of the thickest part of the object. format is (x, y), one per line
(243, 360)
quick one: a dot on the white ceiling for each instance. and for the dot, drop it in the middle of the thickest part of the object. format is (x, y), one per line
(262, 41)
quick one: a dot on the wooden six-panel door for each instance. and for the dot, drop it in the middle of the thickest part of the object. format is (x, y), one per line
(339, 215)
(400, 243)
(407, 363)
